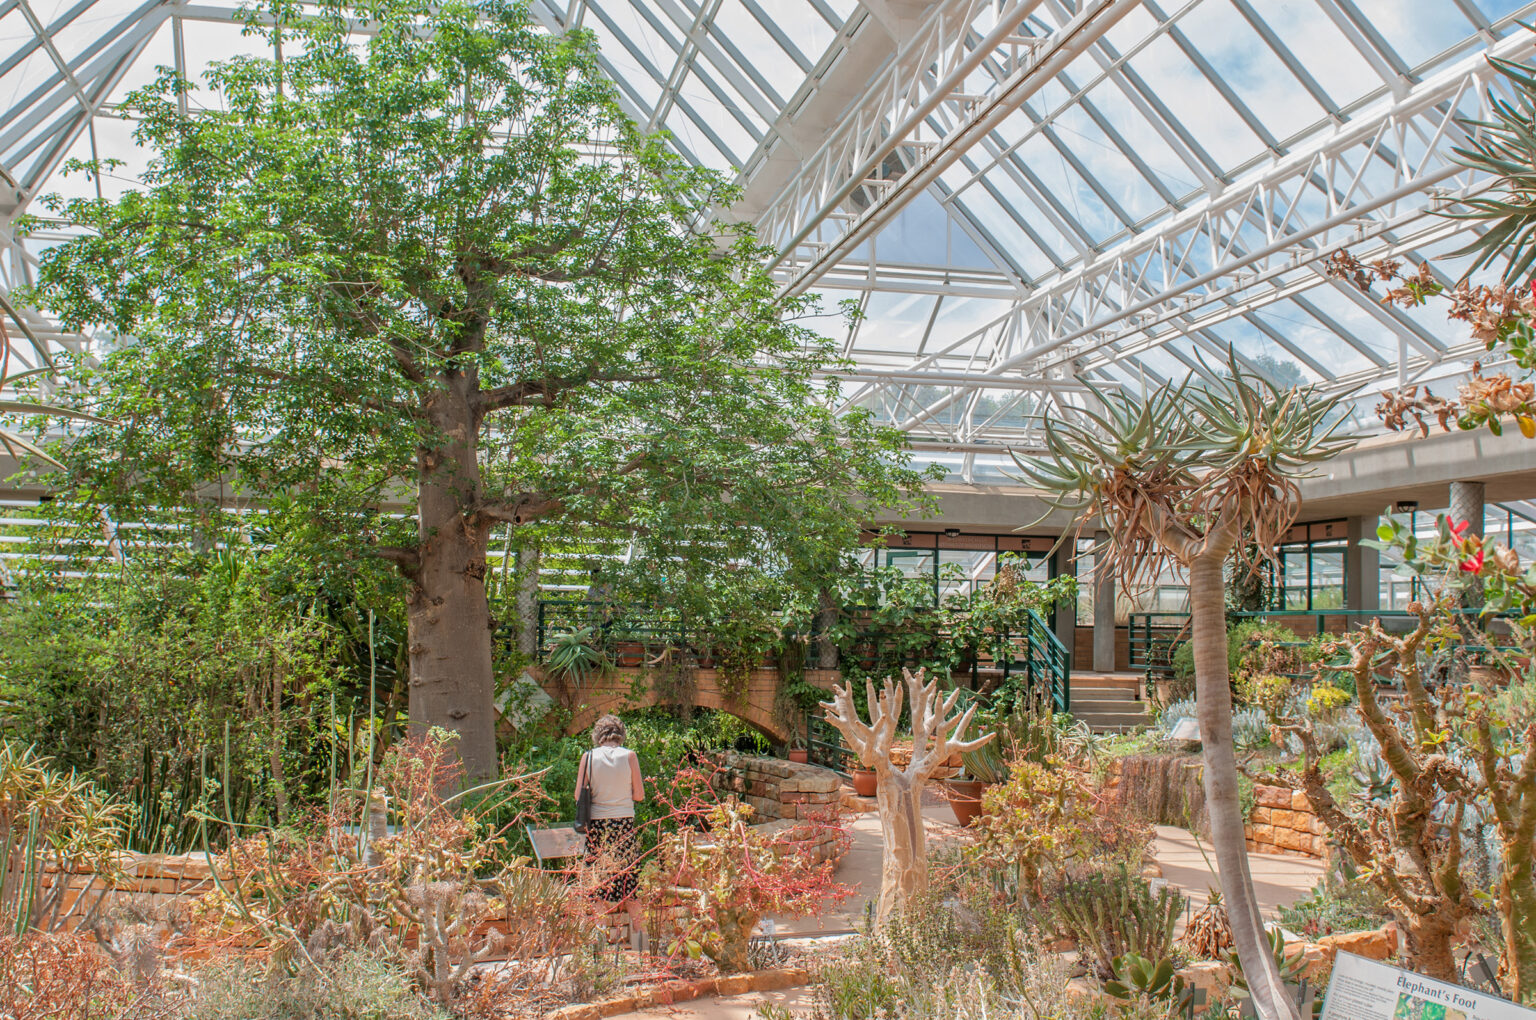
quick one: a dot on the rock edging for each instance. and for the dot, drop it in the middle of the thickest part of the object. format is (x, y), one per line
(685, 990)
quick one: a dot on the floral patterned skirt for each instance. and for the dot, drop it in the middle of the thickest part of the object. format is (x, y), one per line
(613, 845)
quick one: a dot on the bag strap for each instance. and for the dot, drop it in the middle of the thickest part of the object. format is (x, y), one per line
(586, 770)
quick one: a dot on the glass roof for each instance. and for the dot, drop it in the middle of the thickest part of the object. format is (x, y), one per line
(1021, 195)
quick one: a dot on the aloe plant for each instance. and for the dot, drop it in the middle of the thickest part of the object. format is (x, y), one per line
(575, 656)
(1137, 977)
(985, 764)
(1190, 475)
(1505, 148)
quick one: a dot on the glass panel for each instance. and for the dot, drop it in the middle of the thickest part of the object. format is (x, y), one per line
(1327, 578)
(1293, 578)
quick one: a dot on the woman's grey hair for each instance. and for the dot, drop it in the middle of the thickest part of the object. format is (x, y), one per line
(608, 730)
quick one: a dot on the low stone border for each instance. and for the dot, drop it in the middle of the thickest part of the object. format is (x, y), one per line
(685, 990)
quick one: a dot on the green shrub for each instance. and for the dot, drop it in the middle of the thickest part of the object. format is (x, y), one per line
(1334, 908)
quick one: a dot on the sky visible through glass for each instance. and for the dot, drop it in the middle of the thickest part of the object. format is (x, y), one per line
(1158, 198)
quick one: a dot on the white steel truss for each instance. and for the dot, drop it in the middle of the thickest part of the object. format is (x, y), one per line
(1095, 230)
(915, 120)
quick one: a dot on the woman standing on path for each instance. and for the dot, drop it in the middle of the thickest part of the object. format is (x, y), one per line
(611, 842)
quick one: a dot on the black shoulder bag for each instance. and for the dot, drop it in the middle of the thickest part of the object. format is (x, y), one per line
(584, 796)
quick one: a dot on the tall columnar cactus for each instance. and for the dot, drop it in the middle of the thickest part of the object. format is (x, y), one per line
(1189, 476)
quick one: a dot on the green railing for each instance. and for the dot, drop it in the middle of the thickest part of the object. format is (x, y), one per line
(630, 635)
(1046, 660)
(1155, 637)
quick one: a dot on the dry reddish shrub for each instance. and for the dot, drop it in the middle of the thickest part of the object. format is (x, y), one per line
(436, 897)
(50, 976)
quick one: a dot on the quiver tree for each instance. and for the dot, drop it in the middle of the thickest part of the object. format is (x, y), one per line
(937, 732)
(1408, 846)
(429, 282)
(1184, 476)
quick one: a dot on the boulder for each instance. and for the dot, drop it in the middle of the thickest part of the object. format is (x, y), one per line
(1373, 945)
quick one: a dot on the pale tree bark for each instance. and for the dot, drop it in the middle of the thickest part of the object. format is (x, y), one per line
(936, 734)
(1213, 702)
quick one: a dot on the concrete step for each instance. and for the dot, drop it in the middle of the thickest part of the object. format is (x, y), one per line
(1104, 693)
(1081, 705)
(1110, 722)
(1105, 716)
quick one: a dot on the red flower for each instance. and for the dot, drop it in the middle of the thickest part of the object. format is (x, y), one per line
(1458, 528)
(1473, 564)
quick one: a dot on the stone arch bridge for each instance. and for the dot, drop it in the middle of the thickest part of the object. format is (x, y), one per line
(621, 690)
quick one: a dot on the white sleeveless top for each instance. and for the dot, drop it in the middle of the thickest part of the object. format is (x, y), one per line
(612, 783)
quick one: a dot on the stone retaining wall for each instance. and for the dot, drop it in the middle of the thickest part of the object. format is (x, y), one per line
(778, 789)
(1283, 821)
(1167, 788)
(145, 880)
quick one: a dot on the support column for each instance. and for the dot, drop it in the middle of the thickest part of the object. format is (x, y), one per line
(1103, 613)
(1362, 566)
(1467, 504)
(1064, 619)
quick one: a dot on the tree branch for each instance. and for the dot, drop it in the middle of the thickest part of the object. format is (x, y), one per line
(527, 507)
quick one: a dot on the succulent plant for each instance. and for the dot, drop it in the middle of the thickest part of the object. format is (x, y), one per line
(1137, 977)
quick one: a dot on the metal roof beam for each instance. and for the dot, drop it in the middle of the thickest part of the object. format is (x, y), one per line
(854, 159)
(1105, 300)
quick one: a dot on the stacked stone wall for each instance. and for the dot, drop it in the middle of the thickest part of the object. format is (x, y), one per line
(146, 881)
(1166, 789)
(1283, 821)
(778, 790)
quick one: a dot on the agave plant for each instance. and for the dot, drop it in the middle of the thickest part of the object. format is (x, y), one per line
(1191, 475)
(574, 655)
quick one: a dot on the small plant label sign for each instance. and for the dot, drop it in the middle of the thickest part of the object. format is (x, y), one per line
(1363, 989)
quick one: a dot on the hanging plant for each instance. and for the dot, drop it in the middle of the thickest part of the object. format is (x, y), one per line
(735, 665)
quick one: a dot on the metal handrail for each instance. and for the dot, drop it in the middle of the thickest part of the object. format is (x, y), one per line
(1155, 636)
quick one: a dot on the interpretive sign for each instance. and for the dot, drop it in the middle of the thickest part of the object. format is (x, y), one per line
(552, 844)
(1362, 989)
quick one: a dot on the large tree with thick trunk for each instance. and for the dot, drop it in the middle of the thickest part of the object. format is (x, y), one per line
(1188, 476)
(419, 257)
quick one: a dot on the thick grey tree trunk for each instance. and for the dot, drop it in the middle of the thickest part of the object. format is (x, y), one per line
(449, 617)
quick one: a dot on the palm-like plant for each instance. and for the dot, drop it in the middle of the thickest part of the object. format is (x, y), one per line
(1191, 475)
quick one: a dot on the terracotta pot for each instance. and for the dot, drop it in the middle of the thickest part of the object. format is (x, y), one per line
(863, 781)
(799, 754)
(965, 798)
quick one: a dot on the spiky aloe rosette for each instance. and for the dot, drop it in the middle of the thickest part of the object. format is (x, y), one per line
(1164, 468)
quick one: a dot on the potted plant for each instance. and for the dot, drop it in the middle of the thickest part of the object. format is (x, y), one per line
(984, 767)
(798, 752)
(629, 650)
(863, 780)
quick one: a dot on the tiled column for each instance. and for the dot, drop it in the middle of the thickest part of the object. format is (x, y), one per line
(1467, 504)
(1064, 620)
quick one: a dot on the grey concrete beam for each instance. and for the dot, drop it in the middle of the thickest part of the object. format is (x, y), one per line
(1362, 482)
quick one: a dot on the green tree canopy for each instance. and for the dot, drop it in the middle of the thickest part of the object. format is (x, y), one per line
(420, 258)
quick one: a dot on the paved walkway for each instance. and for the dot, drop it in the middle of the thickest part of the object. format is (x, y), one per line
(1278, 881)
